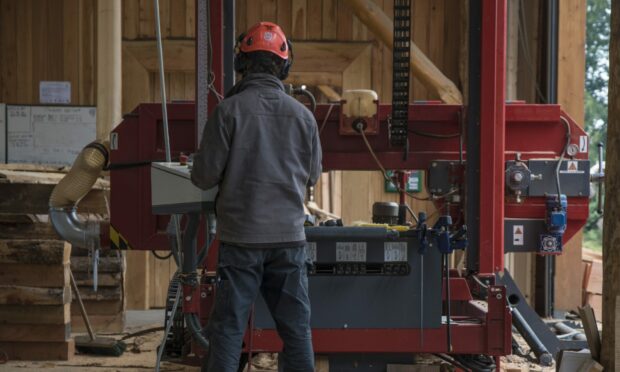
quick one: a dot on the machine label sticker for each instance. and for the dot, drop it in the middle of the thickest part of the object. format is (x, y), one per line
(395, 251)
(351, 251)
(583, 144)
(517, 234)
(572, 166)
(113, 141)
(311, 251)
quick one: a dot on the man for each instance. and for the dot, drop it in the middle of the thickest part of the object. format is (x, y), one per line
(261, 147)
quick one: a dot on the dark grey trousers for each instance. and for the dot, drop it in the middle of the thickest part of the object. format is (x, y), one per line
(281, 276)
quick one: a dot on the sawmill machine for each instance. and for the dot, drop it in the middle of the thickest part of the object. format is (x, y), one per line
(503, 177)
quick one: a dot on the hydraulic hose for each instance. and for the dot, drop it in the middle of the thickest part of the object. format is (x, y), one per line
(71, 189)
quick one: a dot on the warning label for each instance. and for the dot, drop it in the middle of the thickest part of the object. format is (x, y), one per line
(572, 166)
(583, 144)
(395, 251)
(517, 234)
(351, 251)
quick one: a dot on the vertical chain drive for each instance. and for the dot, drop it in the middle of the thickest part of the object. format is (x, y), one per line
(401, 57)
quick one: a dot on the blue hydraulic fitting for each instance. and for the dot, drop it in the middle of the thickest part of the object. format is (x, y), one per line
(556, 220)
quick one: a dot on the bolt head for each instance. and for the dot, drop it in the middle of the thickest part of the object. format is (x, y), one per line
(517, 177)
(498, 296)
(203, 294)
(188, 298)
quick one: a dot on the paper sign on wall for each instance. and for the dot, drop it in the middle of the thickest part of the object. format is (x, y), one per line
(55, 92)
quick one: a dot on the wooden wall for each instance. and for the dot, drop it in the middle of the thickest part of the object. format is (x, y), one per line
(47, 40)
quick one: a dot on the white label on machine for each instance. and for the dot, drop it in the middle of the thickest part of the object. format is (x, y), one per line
(113, 141)
(311, 251)
(517, 234)
(583, 143)
(395, 251)
(351, 251)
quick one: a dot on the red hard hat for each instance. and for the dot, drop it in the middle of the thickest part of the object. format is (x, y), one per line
(265, 36)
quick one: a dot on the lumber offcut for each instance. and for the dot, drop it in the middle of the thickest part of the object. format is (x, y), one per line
(422, 67)
(610, 357)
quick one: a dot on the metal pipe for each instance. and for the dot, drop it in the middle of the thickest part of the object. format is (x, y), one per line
(544, 357)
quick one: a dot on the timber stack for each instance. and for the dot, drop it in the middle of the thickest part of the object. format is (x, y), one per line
(35, 294)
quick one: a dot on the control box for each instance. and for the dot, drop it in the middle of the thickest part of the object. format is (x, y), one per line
(172, 190)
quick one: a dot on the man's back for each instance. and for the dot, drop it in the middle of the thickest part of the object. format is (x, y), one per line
(261, 146)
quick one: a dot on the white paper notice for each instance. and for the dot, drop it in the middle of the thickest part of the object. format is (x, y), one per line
(55, 92)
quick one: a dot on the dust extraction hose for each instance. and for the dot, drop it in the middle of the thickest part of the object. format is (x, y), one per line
(71, 189)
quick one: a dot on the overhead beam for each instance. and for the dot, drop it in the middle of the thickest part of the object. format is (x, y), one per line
(422, 67)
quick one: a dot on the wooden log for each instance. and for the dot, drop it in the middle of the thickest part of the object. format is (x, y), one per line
(85, 279)
(102, 294)
(45, 252)
(100, 323)
(423, 69)
(610, 354)
(39, 350)
(27, 230)
(35, 314)
(43, 276)
(34, 199)
(20, 295)
(106, 264)
(35, 332)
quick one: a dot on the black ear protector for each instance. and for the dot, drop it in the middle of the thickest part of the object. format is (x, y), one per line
(239, 64)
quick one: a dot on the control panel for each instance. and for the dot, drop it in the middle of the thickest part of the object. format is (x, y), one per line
(172, 190)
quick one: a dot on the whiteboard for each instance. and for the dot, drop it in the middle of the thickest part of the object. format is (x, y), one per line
(2, 133)
(48, 134)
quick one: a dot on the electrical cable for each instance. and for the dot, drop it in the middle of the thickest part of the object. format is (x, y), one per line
(389, 179)
(434, 135)
(163, 258)
(561, 159)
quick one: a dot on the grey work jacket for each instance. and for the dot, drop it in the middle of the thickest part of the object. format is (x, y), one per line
(262, 148)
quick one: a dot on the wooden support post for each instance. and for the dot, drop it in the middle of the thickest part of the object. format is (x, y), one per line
(423, 69)
(109, 88)
(610, 357)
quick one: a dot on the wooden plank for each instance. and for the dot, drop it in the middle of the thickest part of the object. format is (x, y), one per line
(137, 288)
(591, 330)
(177, 86)
(345, 22)
(35, 314)
(88, 63)
(314, 78)
(330, 20)
(240, 17)
(48, 252)
(179, 55)
(190, 85)
(24, 91)
(39, 350)
(284, 11)
(436, 37)
(164, 17)
(35, 332)
(299, 13)
(100, 323)
(131, 22)
(330, 93)
(136, 83)
(85, 279)
(106, 264)
(268, 11)
(253, 13)
(177, 18)
(30, 230)
(190, 18)
(571, 62)
(70, 46)
(98, 307)
(146, 19)
(34, 199)
(19, 295)
(43, 276)
(326, 56)
(314, 20)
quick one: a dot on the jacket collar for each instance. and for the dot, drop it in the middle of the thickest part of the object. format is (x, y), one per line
(256, 80)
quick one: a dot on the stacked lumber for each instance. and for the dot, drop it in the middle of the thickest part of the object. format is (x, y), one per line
(24, 194)
(593, 281)
(35, 298)
(106, 306)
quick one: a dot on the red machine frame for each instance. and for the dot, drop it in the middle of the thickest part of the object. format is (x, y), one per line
(506, 129)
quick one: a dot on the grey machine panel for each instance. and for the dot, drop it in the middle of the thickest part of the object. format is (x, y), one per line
(574, 181)
(388, 295)
(172, 190)
(523, 235)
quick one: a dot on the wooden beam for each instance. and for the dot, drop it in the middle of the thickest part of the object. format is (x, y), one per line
(19, 295)
(423, 69)
(48, 252)
(179, 55)
(330, 93)
(35, 314)
(571, 87)
(39, 350)
(136, 83)
(610, 356)
(109, 87)
(43, 276)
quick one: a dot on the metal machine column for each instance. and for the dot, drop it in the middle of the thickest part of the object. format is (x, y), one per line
(492, 136)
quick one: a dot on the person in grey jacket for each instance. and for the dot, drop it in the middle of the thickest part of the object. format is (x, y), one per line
(262, 148)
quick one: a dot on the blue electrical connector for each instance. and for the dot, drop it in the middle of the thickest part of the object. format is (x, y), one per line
(556, 220)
